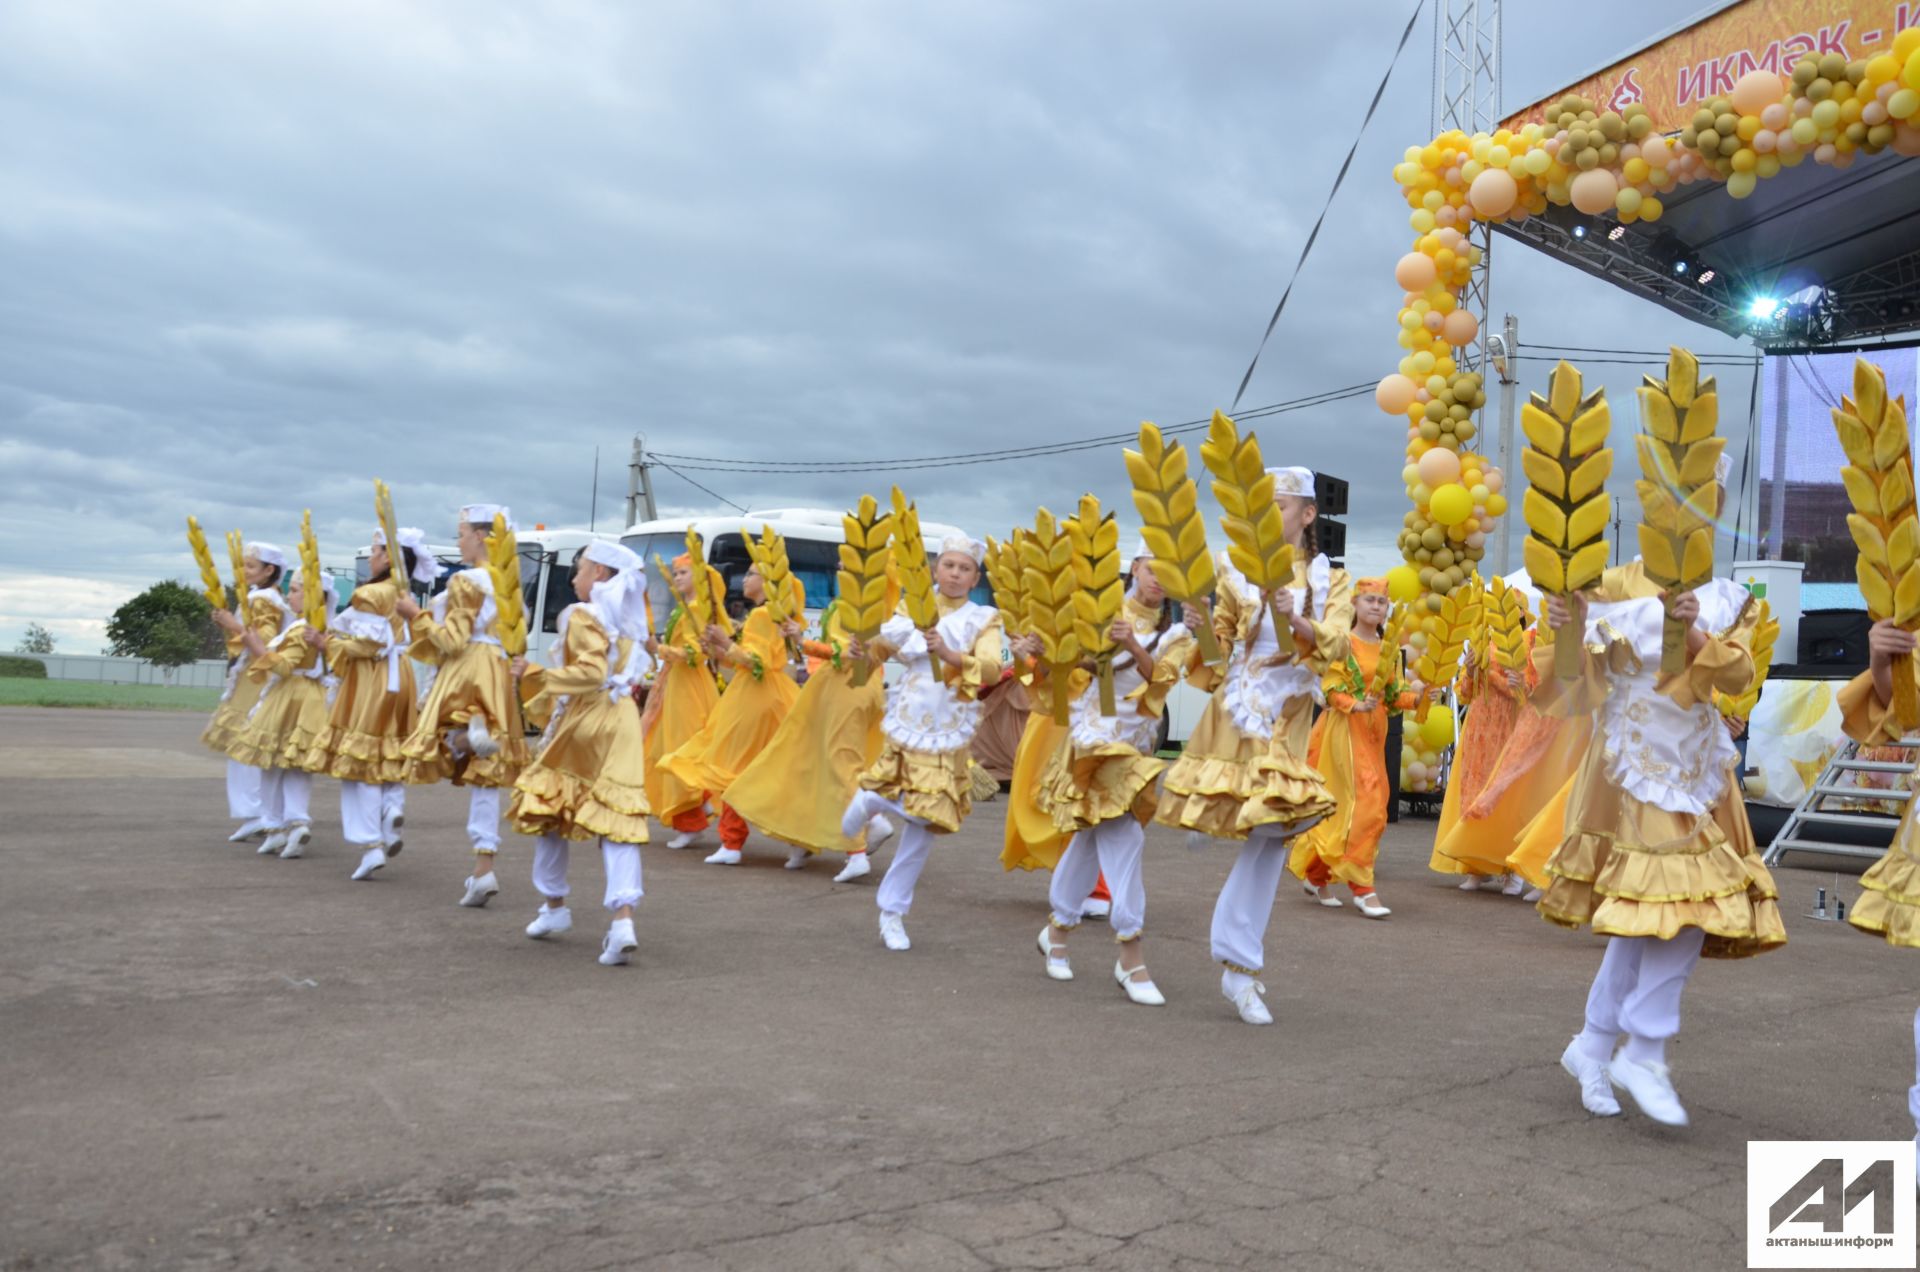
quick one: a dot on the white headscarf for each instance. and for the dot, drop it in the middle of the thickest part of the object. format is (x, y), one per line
(482, 514)
(267, 554)
(620, 603)
(425, 568)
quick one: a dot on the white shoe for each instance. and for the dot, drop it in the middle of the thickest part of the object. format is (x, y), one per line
(1651, 1086)
(480, 740)
(1494, 883)
(1057, 965)
(481, 890)
(1096, 909)
(274, 842)
(1145, 992)
(248, 830)
(370, 860)
(857, 867)
(1246, 997)
(618, 944)
(297, 840)
(391, 824)
(894, 931)
(550, 922)
(858, 813)
(724, 857)
(1473, 882)
(684, 839)
(879, 830)
(797, 858)
(1369, 903)
(1514, 887)
(1324, 895)
(1533, 895)
(1596, 1093)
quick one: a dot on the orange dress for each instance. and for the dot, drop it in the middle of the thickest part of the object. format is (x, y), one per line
(1349, 749)
(1492, 711)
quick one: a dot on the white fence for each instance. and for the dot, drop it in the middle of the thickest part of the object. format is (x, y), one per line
(208, 673)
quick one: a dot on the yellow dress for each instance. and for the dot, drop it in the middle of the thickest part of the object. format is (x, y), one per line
(750, 712)
(1031, 841)
(798, 786)
(587, 782)
(1108, 769)
(266, 615)
(1245, 764)
(457, 636)
(374, 707)
(683, 697)
(931, 713)
(1491, 712)
(292, 712)
(1890, 904)
(1350, 751)
(1656, 836)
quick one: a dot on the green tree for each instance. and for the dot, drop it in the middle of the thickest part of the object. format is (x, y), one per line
(38, 640)
(134, 626)
(171, 643)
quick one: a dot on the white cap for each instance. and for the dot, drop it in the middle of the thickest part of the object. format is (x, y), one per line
(614, 556)
(482, 514)
(1140, 549)
(267, 554)
(425, 568)
(1292, 481)
(966, 544)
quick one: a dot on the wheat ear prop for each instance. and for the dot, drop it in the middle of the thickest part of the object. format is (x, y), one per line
(1176, 533)
(312, 582)
(1392, 637)
(1879, 481)
(210, 584)
(1256, 537)
(1679, 491)
(1506, 624)
(865, 548)
(665, 571)
(1047, 560)
(390, 529)
(910, 560)
(1567, 463)
(769, 555)
(503, 570)
(700, 606)
(1009, 581)
(1098, 592)
(1460, 616)
(237, 551)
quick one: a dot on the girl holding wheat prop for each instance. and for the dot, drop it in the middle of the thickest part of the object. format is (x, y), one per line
(921, 776)
(1244, 774)
(260, 609)
(683, 697)
(470, 730)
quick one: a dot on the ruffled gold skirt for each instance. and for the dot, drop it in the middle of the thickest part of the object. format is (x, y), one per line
(366, 727)
(290, 719)
(589, 779)
(1890, 906)
(934, 786)
(1626, 868)
(230, 717)
(1225, 783)
(477, 682)
(1084, 786)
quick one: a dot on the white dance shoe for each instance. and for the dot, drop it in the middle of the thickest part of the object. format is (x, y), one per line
(550, 922)
(1515, 885)
(1322, 894)
(796, 858)
(1472, 883)
(619, 944)
(482, 742)
(857, 866)
(683, 840)
(879, 830)
(1057, 965)
(1596, 1092)
(481, 890)
(724, 857)
(1244, 993)
(1144, 992)
(370, 860)
(392, 822)
(247, 831)
(893, 930)
(1651, 1086)
(1370, 906)
(1095, 908)
(274, 842)
(297, 840)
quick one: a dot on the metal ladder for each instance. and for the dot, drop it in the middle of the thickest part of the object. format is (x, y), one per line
(1794, 837)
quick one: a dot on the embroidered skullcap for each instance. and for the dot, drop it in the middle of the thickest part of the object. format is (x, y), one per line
(482, 514)
(965, 544)
(1371, 587)
(1293, 481)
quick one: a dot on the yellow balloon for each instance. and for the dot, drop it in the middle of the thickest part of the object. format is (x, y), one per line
(1451, 504)
(1403, 583)
(1437, 730)
(1496, 504)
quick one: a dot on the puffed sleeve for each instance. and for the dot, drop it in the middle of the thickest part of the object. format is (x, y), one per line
(295, 654)
(583, 666)
(1865, 718)
(263, 616)
(1332, 631)
(760, 648)
(436, 642)
(1176, 649)
(981, 665)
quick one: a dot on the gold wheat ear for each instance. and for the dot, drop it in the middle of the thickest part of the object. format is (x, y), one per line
(864, 552)
(503, 571)
(1256, 537)
(1047, 561)
(1679, 491)
(1176, 534)
(1098, 592)
(1567, 464)
(1878, 478)
(210, 585)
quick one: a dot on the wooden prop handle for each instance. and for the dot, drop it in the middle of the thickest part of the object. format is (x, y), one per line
(1210, 651)
(1420, 712)
(1060, 699)
(1673, 648)
(1906, 694)
(1567, 640)
(1282, 632)
(1108, 706)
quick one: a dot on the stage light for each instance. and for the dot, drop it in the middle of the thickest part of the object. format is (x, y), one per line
(1706, 276)
(1617, 233)
(1679, 267)
(1579, 231)
(1763, 307)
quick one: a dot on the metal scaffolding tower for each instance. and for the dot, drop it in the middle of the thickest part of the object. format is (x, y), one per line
(1466, 95)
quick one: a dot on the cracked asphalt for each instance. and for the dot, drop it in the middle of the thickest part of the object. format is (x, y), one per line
(215, 1060)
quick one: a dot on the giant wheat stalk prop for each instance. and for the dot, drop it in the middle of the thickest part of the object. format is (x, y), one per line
(701, 606)
(1765, 633)
(1009, 580)
(390, 527)
(1256, 537)
(1047, 555)
(1679, 493)
(1506, 626)
(503, 570)
(910, 561)
(312, 581)
(1096, 600)
(237, 549)
(1567, 464)
(1387, 670)
(210, 584)
(1460, 615)
(1176, 533)
(769, 556)
(1879, 481)
(868, 535)
(665, 573)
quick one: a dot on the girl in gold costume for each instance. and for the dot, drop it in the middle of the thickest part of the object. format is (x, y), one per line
(263, 612)
(288, 719)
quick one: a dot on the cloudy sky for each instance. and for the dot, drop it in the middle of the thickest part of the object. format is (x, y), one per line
(256, 255)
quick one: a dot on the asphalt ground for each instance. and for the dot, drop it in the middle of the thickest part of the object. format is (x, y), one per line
(218, 1060)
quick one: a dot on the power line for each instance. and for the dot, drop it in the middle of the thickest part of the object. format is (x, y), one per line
(697, 486)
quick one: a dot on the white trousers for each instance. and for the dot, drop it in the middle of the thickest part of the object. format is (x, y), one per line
(483, 818)
(1637, 991)
(284, 798)
(362, 804)
(895, 893)
(243, 791)
(1246, 898)
(1112, 848)
(622, 862)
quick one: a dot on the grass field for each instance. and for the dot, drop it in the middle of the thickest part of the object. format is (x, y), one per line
(17, 692)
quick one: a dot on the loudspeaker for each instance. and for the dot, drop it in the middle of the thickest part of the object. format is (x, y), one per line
(1834, 638)
(1330, 494)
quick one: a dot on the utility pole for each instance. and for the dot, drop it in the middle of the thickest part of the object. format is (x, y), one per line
(1505, 356)
(640, 485)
